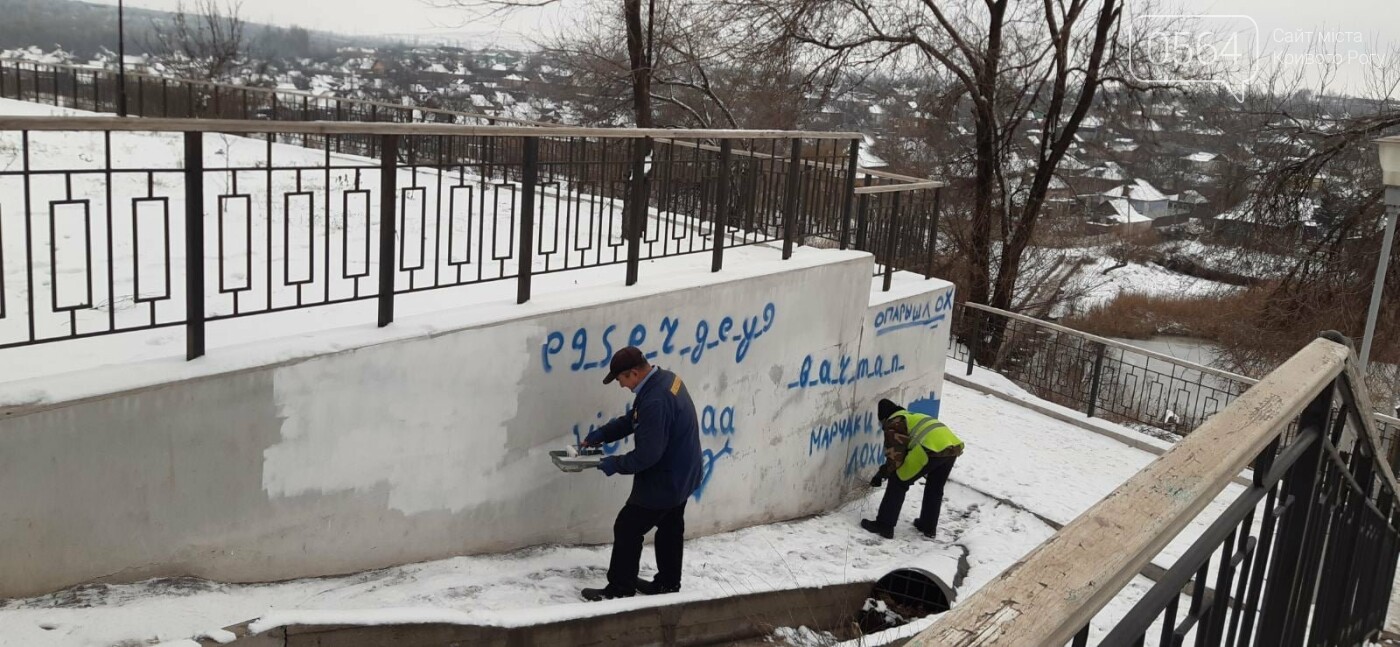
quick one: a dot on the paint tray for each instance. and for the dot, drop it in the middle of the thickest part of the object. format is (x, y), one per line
(568, 461)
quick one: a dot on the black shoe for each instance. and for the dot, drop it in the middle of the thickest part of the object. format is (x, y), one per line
(924, 528)
(646, 587)
(605, 593)
(877, 528)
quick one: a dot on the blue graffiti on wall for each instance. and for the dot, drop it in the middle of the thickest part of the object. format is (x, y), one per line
(928, 405)
(714, 421)
(608, 448)
(901, 316)
(709, 335)
(863, 456)
(708, 460)
(823, 437)
(846, 370)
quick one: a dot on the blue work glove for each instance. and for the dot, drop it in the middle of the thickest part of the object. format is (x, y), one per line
(593, 438)
(608, 465)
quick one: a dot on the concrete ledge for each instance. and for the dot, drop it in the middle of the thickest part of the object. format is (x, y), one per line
(702, 622)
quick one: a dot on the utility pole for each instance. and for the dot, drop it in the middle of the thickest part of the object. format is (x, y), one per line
(1392, 210)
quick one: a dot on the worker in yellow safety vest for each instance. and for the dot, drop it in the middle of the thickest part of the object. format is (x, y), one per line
(916, 446)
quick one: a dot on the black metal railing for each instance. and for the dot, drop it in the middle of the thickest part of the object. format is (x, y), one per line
(98, 90)
(1098, 376)
(1122, 383)
(1304, 555)
(97, 214)
(894, 217)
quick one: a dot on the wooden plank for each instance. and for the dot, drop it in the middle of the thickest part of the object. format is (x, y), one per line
(1049, 595)
(119, 124)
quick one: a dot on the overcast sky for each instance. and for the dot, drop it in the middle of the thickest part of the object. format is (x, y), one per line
(1355, 30)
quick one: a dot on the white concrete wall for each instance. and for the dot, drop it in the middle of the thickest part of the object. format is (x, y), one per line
(437, 445)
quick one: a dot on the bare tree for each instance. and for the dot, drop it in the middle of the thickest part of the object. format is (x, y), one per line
(205, 43)
(1019, 69)
(1315, 182)
(638, 39)
(710, 67)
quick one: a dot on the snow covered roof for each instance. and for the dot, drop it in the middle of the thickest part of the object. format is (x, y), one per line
(1140, 190)
(1189, 196)
(1124, 213)
(1143, 190)
(1107, 171)
(869, 159)
(1202, 157)
(876, 110)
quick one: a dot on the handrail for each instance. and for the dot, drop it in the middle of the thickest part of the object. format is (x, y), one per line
(1054, 592)
(911, 183)
(296, 93)
(156, 124)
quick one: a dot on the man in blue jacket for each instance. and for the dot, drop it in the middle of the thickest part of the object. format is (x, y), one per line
(665, 462)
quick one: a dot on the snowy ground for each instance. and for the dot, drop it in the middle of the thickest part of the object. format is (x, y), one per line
(1021, 467)
(1101, 282)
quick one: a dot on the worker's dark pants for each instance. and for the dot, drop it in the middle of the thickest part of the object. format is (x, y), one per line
(936, 471)
(629, 531)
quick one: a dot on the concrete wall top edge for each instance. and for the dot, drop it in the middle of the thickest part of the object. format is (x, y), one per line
(42, 394)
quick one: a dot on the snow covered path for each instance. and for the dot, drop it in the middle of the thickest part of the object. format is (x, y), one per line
(1054, 469)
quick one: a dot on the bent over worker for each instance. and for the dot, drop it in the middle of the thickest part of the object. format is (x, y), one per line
(666, 465)
(916, 446)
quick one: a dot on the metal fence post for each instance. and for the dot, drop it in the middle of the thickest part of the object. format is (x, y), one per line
(194, 245)
(852, 166)
(529, 177)
(1286, 569)
(636, 208)
(891, 247)
(933, 232)
(974, 338)
(790, 202)
(720, 225)
(1097, 378)
(388, 220)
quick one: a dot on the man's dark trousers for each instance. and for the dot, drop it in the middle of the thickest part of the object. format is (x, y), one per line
(629, 532)
(937, 471)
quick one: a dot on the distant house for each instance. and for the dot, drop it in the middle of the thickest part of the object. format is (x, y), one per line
(1118, 214)
(1187, 203)
(1129, 207)
(1242, 223)
(1142, 196)
(1204, 162)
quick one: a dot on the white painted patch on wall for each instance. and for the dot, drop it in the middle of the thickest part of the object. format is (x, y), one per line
(425, 445)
